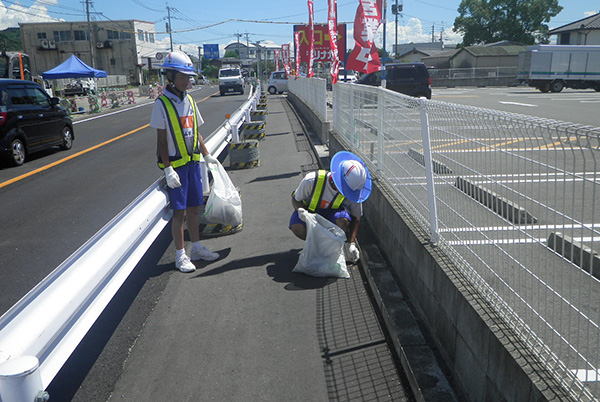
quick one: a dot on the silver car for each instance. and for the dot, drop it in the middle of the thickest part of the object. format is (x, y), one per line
(277, 82)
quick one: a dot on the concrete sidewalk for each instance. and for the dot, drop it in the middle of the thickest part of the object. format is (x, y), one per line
(246, 328)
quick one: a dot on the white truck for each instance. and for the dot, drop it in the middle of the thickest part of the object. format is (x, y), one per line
(230, 80)
(554, 67)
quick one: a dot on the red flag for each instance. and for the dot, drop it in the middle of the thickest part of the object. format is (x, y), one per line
(297, 56)
(277, 51)
(311, 38)
(285, 55)
(332, 23)
(364, 57)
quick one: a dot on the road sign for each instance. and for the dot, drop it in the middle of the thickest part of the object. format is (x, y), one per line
(211, 51)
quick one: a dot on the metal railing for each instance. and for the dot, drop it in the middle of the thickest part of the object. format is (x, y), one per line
(39, 333)
(313, 92)
(512, 199)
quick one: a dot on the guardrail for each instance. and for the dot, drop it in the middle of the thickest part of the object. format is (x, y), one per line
(39, 333)
(511, 199)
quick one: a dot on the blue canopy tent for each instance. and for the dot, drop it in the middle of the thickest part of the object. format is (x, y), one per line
(73, 67)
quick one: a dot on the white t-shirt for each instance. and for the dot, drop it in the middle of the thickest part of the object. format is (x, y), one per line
(304, 191)
(159, 120)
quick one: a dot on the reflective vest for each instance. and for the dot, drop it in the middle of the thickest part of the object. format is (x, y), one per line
(182, 156)
(317, 193)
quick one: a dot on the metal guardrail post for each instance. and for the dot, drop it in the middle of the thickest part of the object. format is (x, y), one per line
(425, 134)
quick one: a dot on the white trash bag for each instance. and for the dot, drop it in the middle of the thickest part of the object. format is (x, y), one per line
(224, 204)
(323, 253)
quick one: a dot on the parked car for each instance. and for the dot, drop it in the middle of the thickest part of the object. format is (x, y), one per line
(30, 121)
(407, 78)
(278, 81)
(347, 76)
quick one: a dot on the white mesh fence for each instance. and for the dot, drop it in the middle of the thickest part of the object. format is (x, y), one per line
(312, 91)
(515, 205)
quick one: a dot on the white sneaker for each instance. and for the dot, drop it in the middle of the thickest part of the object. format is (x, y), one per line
(202, 253)
(184, 264)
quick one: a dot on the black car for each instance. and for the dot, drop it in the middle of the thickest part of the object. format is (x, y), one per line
(407, 78)
(30, 121)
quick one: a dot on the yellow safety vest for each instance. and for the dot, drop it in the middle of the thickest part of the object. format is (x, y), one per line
(182, 156)
(317, 193)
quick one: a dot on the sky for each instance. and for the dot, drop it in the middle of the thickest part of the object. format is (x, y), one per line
(199, 22)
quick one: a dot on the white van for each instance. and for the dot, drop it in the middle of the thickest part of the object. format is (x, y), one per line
(230, 80)
(277, 82)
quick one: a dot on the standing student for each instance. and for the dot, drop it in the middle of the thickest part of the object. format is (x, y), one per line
(180, 146)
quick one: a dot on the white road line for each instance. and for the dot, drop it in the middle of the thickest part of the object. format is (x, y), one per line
(517, 104)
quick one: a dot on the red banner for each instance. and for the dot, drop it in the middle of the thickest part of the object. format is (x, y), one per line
(364, 57)
(277, 55)
(285, 56)
(310, 33)
(332, 24)
(321, 47)
(296, 56)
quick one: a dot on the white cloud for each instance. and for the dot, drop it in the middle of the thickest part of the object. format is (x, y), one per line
(410, 32)
(589, 13)
(11, 16)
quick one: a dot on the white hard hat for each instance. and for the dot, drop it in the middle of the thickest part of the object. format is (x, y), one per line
(351, 176)
(179, 61)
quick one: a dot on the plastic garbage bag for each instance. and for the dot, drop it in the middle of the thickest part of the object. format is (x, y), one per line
(224, 204)
(323, 254)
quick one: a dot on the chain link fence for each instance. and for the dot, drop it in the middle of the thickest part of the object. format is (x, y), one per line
(511, 198)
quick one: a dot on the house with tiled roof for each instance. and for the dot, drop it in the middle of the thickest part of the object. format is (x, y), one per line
(585, 31)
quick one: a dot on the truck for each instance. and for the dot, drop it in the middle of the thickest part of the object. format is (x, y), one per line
(230, 80)
(550, 68)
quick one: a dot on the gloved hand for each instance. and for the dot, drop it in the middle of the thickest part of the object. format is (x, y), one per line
(353, 253)
(208, 158)
(172, 177)
(302, 214)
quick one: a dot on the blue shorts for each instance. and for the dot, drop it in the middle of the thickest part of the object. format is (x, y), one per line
(190, 194)
(332, 215)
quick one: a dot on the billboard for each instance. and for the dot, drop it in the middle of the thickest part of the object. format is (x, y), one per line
(211, 51)
(322, 50)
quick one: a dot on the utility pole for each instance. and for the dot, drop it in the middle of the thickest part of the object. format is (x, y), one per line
(90, 35)
(238, 36)
(169, 26)
(396, 10)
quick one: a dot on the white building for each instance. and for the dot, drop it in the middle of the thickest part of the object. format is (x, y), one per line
(585, 31)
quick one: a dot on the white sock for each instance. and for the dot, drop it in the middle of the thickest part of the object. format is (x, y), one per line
(180, 253)
(196, 245)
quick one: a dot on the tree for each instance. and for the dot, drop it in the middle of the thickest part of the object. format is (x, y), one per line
(488, 21)
(232, 53)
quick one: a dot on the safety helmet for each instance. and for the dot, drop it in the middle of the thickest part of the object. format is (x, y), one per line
(179, 61)
(351, 176)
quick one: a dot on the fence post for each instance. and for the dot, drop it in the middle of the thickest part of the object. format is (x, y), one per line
(425, 134)
(380, 121)
(351, 117)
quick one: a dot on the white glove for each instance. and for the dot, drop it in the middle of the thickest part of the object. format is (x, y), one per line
(172, 177)
(302, 214)
(208, 158)
(353, 253)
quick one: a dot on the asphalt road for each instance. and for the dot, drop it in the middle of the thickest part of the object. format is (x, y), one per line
(575, 106)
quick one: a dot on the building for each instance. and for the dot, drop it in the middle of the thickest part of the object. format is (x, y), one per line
(414, 52)
(125, 47)
(493, 55)
(249, 53)
(585, 31)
